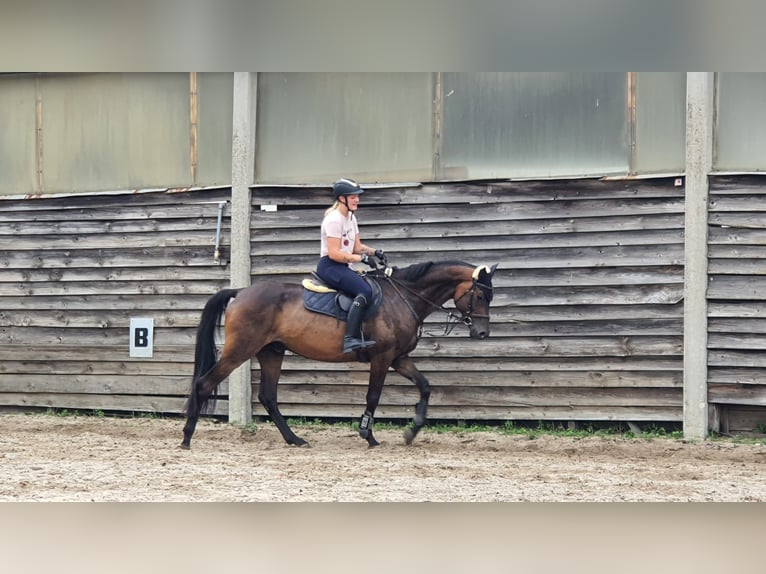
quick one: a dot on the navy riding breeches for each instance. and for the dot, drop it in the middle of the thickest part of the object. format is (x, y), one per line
(340, 276)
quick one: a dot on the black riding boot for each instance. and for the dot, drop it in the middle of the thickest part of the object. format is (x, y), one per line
(353, 339)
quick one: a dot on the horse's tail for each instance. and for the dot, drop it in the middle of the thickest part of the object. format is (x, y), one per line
(205, 351)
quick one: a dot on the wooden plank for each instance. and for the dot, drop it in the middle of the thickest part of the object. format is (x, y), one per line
(461, 379)
(742, 309)
(480, 213)
(451, 413)
(306, 230)
(33, 228)
(132, 368)
(471, 193)
(503, 363)
(150, 240)
(743, 220)
(138, 303)
(129, 384)
(115, 257)
(57, 288)
(96, 319)
(734, 266)
(270, 246)
(170, 354)
(736, 287)
(742, 203)
(73, 336)
(737, 341)
(736, 358)
(743, 325)
(129, 403)
(744, 376)
(215, 274)
(556, 258)
(737, 394)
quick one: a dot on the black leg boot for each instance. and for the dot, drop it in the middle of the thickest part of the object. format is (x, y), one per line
(353, 339)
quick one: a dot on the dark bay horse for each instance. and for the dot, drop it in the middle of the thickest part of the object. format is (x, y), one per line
(268, 318)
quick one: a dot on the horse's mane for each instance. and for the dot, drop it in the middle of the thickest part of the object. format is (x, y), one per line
(417, 270)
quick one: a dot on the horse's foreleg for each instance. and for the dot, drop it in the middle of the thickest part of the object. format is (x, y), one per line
(270, 359)
(405, 367)
(374, 389)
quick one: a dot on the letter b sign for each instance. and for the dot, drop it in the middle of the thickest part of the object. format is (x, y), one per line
(141, 337)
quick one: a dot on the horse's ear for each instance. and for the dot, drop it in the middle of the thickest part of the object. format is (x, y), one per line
(492, 270)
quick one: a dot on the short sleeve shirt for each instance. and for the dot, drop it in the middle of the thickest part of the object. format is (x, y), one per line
(343, 228)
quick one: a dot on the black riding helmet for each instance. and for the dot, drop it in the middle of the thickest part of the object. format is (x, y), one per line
(346, 187)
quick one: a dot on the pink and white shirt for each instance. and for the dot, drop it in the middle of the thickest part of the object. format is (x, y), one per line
(343, 228)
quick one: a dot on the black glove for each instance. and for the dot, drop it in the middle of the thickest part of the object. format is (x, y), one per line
(381, 256)
(371, 262)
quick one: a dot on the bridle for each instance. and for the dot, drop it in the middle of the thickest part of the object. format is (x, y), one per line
(465, 317)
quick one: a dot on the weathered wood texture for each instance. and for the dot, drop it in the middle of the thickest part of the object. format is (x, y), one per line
(737, 301)
(74, 270)
(587, 318)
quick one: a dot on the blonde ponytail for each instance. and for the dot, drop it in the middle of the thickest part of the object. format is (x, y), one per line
(332, 208)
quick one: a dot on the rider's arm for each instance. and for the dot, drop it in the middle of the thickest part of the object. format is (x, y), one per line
(334, 252)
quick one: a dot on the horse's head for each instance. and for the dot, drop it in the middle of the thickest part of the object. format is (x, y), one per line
(472, 299)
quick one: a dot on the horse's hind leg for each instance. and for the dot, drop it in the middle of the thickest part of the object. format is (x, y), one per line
(405, 367)
(270, 358)
(202, 391)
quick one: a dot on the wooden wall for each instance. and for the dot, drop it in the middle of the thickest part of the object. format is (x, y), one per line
(737, 302)
(587, 318)
(74, 270)
(587, 321)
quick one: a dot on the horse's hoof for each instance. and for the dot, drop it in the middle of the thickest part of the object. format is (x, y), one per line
(184, 446)
(409, 435)
(373, 444)
(299, 442)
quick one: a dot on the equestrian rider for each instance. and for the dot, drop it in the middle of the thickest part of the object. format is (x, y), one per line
(341, 246)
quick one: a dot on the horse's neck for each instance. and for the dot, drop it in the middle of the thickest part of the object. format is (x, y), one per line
(433, 290)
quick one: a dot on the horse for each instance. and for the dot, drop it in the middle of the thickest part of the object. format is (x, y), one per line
(268, 318)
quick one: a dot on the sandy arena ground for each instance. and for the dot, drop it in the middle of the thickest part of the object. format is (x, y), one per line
(83, 458)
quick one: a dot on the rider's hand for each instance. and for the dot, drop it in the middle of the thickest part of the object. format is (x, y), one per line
(380, 255)
(371, 262)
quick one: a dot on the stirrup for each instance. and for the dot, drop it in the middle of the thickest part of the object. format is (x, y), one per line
(355, 344)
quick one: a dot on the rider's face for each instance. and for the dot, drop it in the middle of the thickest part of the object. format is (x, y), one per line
(352, 201)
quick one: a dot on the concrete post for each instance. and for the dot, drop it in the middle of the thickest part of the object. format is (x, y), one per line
(242, 176)
(699, 154)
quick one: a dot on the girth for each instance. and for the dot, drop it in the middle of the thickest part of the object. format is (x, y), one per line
(320, 298)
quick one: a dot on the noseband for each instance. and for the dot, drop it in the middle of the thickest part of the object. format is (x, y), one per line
(467, 317)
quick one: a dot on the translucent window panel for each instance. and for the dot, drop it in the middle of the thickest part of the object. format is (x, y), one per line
(115, 131)
(214, 105)
(18, 149)
(660, 122)
(316, 127)
(741, 127)
(505, 125)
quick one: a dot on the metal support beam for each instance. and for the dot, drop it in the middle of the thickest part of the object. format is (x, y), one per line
(699, 161)
(242, 176)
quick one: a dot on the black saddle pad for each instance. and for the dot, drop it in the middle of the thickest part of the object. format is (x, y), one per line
(337, 304)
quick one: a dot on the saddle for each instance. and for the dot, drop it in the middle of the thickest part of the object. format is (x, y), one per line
(321, 298)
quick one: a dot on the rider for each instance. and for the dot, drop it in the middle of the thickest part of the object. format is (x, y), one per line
(341, 246)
